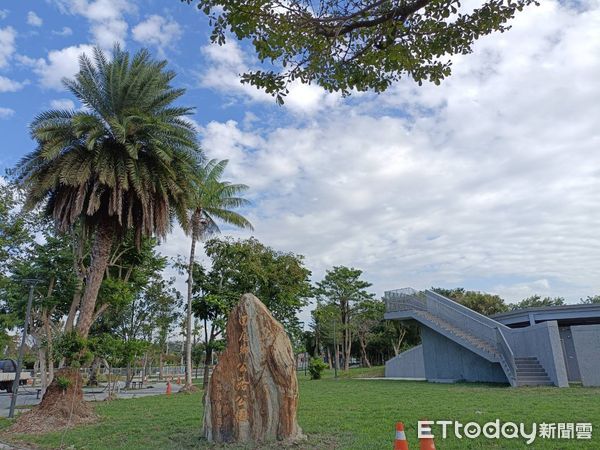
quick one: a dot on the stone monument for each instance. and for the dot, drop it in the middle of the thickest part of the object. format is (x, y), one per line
(252, 395)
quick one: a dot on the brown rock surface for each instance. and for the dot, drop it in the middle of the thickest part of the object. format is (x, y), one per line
(253, 391)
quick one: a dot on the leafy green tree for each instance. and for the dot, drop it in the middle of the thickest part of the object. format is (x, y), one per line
(590, 300)
(486, 304)
(327, 331)
(343, 288)
(213, 199)
(48, 260)
(135, 302)
(124, 162)
(168, 301)
(354, 45)
(15, 240)
(536, 301)
(278, 279)
(212, 310)
(366, 315)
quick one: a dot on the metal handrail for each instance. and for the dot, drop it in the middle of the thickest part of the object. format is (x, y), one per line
(507, 354)
(454, 313)
(458, 308)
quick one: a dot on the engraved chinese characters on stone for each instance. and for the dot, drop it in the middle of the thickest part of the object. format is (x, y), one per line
(253, 391)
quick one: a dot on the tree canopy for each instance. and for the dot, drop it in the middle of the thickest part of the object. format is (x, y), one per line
(125, 162)
(345, 45)
(536, 301)
(483, 303)
(343, 288)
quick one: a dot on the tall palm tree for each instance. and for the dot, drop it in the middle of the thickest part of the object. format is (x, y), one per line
(213, 200)
(125, 161)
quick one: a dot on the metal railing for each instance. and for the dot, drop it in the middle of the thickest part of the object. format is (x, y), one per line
(508, 357)
(404, 300)
(448, 310)
(460, 316)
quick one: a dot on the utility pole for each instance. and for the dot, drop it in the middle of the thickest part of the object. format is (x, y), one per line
(15, 389)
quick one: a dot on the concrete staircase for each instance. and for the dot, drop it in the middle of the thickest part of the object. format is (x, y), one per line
(481, 335)
(463, 337)
(531, 373)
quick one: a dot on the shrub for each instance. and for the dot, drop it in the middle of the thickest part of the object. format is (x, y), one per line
(63, 382)
(316, 366)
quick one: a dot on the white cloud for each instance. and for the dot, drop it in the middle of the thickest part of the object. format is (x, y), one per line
(62, 103)
(227, 62)
(7, 44)
(5, 113)
(157, 31)
(66, 31)
(8, 85)
(489, 181)
(57, 65)
(34, 20)
(3, 14)
(106, 17)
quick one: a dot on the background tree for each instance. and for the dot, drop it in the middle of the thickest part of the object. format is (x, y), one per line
(367, 314)
(124, 162)
(354, 45)
(15, 238)
(168, 300)
(343, 287)
(536, 301)
(213, 200)
(278, 279)
(590, 300)
(326, 326)
(49, 261)
(486, 304)
(139, 302)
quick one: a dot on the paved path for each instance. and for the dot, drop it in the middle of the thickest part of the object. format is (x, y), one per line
(27, 395)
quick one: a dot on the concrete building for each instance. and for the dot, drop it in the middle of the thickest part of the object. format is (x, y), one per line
(538, 346)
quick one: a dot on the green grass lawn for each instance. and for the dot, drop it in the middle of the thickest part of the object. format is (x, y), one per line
(345, 414)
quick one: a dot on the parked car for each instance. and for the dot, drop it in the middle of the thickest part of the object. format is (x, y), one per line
(8, 369)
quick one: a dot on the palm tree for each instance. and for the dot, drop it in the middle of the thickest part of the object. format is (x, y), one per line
(214, 199)
(125, 161)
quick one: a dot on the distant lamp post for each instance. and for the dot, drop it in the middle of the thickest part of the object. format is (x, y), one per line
(13, 401)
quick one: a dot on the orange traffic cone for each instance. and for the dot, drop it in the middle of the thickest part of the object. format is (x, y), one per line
(400, 443)
(168, 388)
(426, 443)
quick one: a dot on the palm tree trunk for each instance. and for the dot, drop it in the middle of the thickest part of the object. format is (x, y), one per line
(79, 271)
(100, 255)
(188, 337)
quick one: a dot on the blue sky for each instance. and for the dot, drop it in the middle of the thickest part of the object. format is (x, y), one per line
(489, 181)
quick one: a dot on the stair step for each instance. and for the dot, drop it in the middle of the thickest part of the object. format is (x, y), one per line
(528, 377)
(537, 383)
